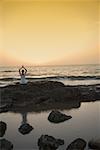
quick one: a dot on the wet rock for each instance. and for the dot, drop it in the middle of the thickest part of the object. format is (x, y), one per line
(78, 144)
(5, 107)
(25, 128)
(5, 145)
(97, 92)
(94, 144)
(57, 117)
(3, 128)
(46, 95)
(46, 142)
(41, 99)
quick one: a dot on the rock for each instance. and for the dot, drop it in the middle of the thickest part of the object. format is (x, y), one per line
(94, 144)
(78, 144)
(47, 95)
(5, 107)
(46, 142)
(41, 99)
(57, 117)
(3, 128)
(25, 128)
(5, 144)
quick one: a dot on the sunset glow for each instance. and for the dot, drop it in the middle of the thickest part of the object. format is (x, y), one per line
(57, 32)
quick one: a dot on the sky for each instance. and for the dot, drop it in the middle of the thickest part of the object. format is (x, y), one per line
(49, 32)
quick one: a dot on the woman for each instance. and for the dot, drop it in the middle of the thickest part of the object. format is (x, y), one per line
(22, 72)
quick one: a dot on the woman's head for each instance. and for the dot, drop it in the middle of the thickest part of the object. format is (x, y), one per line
(22, 71)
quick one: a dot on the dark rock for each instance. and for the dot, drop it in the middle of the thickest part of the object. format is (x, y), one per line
(94, 144)
(5, 145)
(46, 142)
(97, 92)
(44, 95)
(57, 117)
(41, 99)
(25, 128)
(5, 107)
(78, 144)
(64, 94)
(3, 128)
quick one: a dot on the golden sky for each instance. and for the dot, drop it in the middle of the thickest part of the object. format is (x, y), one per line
(49, 32)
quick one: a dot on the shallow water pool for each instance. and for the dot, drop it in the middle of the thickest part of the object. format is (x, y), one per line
(85, 123)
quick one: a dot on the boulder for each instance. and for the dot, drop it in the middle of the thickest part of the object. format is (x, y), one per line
(94, 144)
(46, 142)
(57, 117)
(78, 144)
(5, 145)
(3, 128)
(25, 128)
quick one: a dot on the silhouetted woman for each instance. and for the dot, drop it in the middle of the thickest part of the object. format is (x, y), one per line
(22, 72)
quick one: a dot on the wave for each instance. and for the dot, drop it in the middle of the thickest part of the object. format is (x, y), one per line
(7, 79)
(55, 77)
(8, 71)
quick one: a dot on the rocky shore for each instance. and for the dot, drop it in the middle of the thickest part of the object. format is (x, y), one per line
(46, 95)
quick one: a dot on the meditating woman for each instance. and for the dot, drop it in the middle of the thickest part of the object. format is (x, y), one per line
(22, 72)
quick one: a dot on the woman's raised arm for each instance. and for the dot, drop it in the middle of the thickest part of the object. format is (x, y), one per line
(25, 70)
(20, 70)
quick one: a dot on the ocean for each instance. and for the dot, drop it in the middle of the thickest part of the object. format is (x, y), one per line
(69, 74)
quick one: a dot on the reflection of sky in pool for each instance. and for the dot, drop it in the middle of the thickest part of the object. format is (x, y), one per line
(85, 123)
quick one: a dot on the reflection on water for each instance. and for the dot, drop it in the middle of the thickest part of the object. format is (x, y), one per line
(24, 117)
(25, 128)
(85, 123)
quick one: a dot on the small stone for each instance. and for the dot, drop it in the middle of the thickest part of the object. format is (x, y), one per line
(57, 117)
(94, 144)
(3, 128)
(25, 128)
(78, 144)
(5, 145)
(46, 142)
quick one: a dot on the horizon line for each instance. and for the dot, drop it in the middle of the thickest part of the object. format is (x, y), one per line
(49, 65)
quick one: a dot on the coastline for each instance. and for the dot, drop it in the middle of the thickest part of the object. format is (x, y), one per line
(46, 95)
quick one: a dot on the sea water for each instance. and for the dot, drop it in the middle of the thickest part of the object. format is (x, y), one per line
(69, 75)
